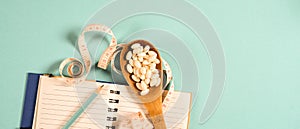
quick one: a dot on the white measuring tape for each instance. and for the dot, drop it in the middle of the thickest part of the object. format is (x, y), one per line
(78, 71)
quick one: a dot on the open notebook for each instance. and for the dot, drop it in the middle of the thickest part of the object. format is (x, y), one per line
(56, 103)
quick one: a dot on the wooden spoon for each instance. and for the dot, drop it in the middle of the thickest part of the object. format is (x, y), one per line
(153, 100)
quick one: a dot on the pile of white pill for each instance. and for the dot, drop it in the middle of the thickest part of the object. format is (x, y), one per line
(142, 67)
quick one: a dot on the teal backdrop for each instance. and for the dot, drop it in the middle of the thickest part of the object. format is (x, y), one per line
(260, 39)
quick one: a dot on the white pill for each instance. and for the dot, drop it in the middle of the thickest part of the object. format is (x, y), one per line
(143, 85)
(153, 82)
(152, 58)
(131, 62)
(138, 50)
(138, 74)
(141, 48)
(152, 66)
(136, 45)
(146, 57)
(137, 64)
(147, 48)
(134, 57)
(140, 58)
(155, 71)
(147, 81)
(144, 92)
(156, 61)
(135, 51)
(143, 70)
(147, 67)
(140, 86)
(129, 68)
(152, 53)
(135, 78)
(142, 77)
(145, 62)
(155, 76)
(148, 74)
(135, 71)
(142, 54)
(128, 55)
(157, 82)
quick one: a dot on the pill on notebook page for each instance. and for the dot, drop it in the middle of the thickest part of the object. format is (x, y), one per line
(144, 92)
(128, 55)
(129, 68)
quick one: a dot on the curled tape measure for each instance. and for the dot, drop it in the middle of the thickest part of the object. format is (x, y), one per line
(78, 71)
(85, 69)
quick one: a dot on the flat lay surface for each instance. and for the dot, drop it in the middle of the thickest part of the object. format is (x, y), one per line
(260, 40)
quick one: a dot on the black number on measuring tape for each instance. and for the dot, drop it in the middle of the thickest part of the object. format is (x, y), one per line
(114, 92)
(110, 127)
(112, 109)
(111, 118)
(113, 101)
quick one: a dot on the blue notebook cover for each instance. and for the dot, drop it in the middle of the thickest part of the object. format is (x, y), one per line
(29, 100)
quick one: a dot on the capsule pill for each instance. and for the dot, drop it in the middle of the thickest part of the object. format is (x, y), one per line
(128, 55)
(136, 45)
(144, 92)
(129, 68)
(135, 78)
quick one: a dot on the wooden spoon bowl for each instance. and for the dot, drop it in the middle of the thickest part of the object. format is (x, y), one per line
(153, 100)
(154, 92)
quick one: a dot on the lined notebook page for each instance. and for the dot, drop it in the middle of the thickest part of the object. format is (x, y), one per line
(56, 103)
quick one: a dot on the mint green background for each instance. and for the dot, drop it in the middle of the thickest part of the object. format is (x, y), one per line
(259, 37)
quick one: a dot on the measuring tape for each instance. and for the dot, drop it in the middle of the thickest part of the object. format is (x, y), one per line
(78, 71)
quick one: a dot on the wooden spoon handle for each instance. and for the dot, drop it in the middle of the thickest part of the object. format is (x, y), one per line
(155, 113)
(158, 122)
